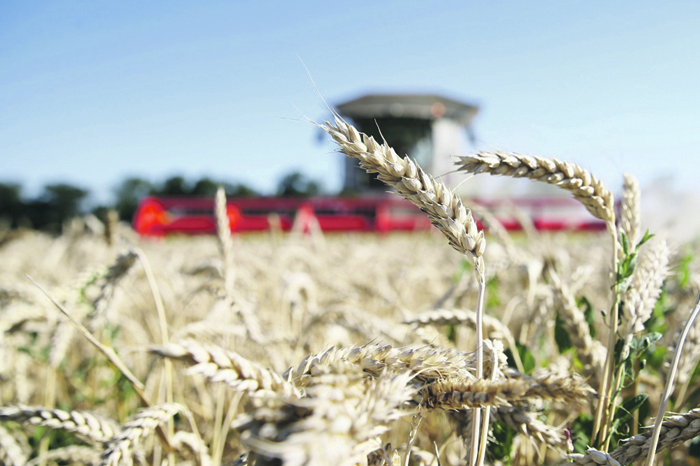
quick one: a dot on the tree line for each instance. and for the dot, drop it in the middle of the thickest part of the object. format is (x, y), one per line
(59, 202)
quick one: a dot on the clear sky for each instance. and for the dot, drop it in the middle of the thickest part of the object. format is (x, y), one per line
(93, 91)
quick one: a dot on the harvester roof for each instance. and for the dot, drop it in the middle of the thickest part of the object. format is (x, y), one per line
(422, 106)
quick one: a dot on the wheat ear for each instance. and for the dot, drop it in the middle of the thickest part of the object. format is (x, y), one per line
(444, 209)
(639, 299)
(115, 273)
(193, 443)
(527, 424)
(73, 454)
(674, 431)
(493, 326)
(145, 422)
(452, 394)
(425, 363)
(246, 459)
(88, 426)
(339, 421)
(11, 452)
(220, 365)
(223, 231)
(589, 351)
(586, 188)
(631, 210)
(593, 457)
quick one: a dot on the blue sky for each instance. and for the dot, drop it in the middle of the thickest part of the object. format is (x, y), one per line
(91, 92)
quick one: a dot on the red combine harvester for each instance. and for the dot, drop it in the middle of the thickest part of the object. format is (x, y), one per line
(163, 216)
(427, 127)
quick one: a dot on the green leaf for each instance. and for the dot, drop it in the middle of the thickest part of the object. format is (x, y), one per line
(581, 429)
(492, 297)
(625, 242)
(657, 358)
(452, 333)
(657, 320)
(643, 413)
(626, 267)
(561, 335)
(640, 344)
(684, 271)
(588, 314)
(628, 407)
(500, 446)
(628, 369)
(463, 267)
(619, 345)
(694, 448)
(622, 424)
(527, 358)
(647, 236)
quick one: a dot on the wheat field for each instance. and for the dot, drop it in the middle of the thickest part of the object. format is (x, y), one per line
(452, 347)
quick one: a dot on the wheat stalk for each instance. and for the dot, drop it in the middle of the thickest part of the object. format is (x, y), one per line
(87, 425)
(496, 351)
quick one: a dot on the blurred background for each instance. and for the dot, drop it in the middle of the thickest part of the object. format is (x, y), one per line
(102, 103)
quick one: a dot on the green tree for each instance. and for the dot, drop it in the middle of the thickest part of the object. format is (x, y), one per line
(128, 194)
(11, 204)
(58, 203)
(239, 190)
(297, 184)
(173, 186)
(204, 187)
